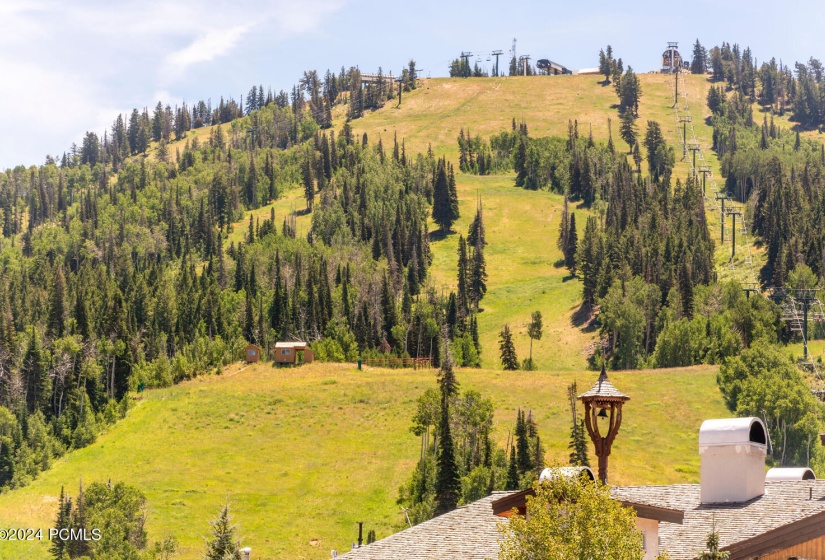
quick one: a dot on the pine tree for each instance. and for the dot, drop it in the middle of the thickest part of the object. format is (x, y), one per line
(448, 481)
(7, 461)
(81, 315)
(610, 147)
(564, 228)
(686, 290)
(462, 296)
(251, 184)
(520, 162)
(713, 552)
(451, 319)
(35, 375)
(474, 333)
(57, 306)
(586, 260)
(627, 130)
(476, 234)
(240, 272)
(572, 245)
(700, 55)
(478, 275)
(388, 311)
(78, 548)
(250, 231)
(309, 185)
(512, 471)
(453, 193)
(538, 455)
(629, 90)
(507, 349)
(443, 213)
(63, 521)
(249, 321)
(534, 331)
(224, 544)
(578, 444)
(524, 462)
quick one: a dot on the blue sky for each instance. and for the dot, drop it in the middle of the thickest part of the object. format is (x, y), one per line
(68, 67)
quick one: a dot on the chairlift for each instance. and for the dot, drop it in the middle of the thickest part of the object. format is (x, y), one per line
(488, 58)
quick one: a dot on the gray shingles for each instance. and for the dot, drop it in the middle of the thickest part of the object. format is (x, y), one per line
(467, 533)
(470, 532)
(782, 503)
(604, 389)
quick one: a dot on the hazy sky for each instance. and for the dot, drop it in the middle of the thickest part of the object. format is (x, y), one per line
(69, 67)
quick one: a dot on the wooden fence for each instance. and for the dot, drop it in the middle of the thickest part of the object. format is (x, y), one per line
(415, 363)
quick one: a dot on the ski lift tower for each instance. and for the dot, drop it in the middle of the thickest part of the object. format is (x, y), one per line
(798, 306)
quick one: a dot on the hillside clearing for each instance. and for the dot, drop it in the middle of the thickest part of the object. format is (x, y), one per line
(303, 454)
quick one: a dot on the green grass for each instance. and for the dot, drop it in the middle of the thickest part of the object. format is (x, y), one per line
(304, 454)
(302, 459)
(522, 226)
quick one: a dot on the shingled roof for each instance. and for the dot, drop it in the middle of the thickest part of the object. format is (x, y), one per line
(467, 533)
(603, 389)
(789, 513)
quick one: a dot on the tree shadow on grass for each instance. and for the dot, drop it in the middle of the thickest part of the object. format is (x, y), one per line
(439, 234)
(584, 318)
(558, 264)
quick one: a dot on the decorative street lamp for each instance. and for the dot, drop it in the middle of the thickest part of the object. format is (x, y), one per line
(603, 400)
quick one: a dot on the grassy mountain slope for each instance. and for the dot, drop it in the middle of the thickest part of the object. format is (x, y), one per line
(302, 458)
(303, 454)
(522, 226)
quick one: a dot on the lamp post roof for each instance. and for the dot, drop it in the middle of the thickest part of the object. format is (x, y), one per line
(604, 391)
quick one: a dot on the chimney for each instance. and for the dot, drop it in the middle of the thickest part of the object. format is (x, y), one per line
(732, 453)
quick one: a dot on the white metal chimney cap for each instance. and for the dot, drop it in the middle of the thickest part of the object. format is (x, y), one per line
(567, 472)
(733, 431)
(801, 473)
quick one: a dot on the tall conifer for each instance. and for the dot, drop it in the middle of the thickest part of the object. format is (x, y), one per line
(57, 306)
(448, 481)
(507, 349)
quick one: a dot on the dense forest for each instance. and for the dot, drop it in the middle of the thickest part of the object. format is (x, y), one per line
(117, 271)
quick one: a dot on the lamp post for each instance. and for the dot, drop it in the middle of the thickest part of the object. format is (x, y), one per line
(604, 401)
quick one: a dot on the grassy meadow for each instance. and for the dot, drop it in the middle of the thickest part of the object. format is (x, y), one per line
(522, 226)
(303, 454)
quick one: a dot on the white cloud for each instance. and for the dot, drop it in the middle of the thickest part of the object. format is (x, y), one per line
(69, 67)
(208, 46)
(38, 125)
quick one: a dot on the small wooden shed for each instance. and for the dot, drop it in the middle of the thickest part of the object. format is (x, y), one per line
(293, 353)
(253, 354)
